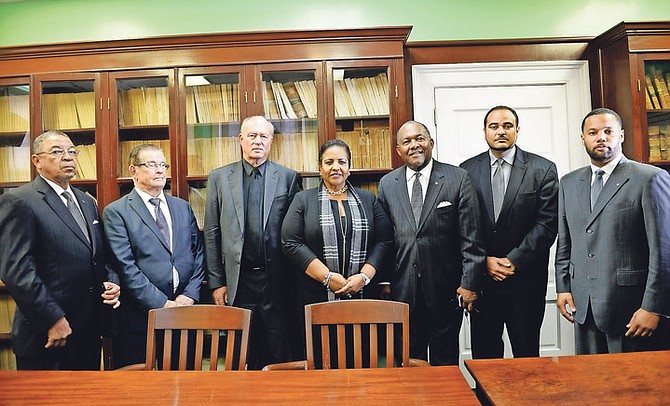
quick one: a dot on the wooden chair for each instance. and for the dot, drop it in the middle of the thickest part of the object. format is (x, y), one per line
(197, 322)
(376, 314)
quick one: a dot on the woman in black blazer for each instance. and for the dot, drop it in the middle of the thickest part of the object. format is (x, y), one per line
(337, 237)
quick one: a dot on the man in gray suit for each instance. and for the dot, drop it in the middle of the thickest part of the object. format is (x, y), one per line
(439, 244)
(158, 251)
(612, 272)
(53, 261)
(246, 204)
(518, 192)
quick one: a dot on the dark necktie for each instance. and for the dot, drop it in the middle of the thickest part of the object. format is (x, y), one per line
(78, 217)
(417, 198)
(161, 221)
(498, 187)
(254, 230)
(597, 187)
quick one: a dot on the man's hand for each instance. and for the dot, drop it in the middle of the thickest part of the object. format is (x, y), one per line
(220, 296)
(468, 297)
(111, 294)
(563, 299)
(183, 300)
(642, 324)
(58, 333)
(499, 268)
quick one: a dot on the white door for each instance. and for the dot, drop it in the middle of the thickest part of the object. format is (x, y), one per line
(550, 99)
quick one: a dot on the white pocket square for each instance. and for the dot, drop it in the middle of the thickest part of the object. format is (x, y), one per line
(444, 204)
(95, 222)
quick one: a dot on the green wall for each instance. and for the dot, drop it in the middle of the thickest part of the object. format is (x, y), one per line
(46, 21)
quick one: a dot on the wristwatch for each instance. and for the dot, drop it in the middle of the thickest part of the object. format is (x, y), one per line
(366, 279)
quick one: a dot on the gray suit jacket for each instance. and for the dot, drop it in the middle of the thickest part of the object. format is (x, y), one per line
(527, 224)
(49, 267)
(144, 261)
(224, 225)
(616, 256)
(447, 247)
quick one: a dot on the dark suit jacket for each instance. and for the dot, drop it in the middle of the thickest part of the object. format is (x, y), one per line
(527, 224)
(49, 267)
(302, 239)
(447, 247)
(614, 257)
(224, 225)
(144, 261)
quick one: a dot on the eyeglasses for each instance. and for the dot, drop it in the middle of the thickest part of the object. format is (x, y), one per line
(59, 153)
(154, 165)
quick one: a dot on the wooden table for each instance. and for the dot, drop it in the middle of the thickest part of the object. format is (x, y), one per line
(398, 386)
(641, 378)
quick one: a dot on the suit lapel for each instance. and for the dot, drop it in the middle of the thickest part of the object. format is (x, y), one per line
(403, 195)
(136, 203)
(482, 175)
(174, 218)
(434, 187)
(516, 177)
(237, 192)
(613, 185)
(89, 215)
(271, 181)
(56, 204)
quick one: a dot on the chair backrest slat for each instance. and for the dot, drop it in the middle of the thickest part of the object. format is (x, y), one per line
(193, 325)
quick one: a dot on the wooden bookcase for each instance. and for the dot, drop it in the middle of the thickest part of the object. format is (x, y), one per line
(630, 73)
(190, 93)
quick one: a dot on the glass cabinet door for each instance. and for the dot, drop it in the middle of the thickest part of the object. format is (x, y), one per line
(15, 140)
(657, 102)
(362, 114)
(290, 102)
(141, 116)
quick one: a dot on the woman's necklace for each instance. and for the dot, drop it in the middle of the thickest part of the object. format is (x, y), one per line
(337, 192)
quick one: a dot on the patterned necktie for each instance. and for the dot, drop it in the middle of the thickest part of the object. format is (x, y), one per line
(498, 187)
(417, 198)
(78, 217)
(161, 221)
(597, 187)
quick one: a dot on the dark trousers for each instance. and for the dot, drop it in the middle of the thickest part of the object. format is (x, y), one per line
(435, 330)
(521, 312)
(268, 339)
(80, 353)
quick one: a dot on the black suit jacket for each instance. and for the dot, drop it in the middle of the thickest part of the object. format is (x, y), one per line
(528, 220)
(447, 247)
(302, 239)
(49, 267)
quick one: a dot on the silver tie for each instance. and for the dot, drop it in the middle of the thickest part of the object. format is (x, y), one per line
(498, 187)
(597, 187)
(417, 198)
(78, 217)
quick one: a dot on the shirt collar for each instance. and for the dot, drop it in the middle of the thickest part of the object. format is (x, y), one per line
(57, 188)
(248, 168)
(425, 172)
(507, 156)
(146, 196)
(609, 167)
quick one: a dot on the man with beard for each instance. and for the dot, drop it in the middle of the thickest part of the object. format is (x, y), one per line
(612, 266)
(439, 261)
(518, 196)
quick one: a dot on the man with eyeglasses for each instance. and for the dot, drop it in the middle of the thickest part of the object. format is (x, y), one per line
(52, 259)
(158, 251)
(246, 204)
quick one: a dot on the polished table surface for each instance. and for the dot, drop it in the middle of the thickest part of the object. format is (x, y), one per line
(641, 378)
(398, 386)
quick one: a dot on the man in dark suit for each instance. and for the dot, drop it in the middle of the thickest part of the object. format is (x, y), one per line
(440, 249)
(158, 250)
(612, 272)
(53, 261)
(246, 204)
(518, 194)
